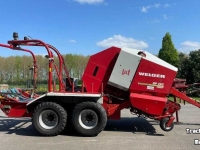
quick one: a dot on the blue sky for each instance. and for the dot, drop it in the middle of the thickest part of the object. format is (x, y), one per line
(89, 26)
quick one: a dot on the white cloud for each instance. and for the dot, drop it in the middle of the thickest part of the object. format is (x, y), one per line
(89, 1)
(145, 9)
(166, 5)
(165, 16)
(121, 41)
(156, 5)
(152, 38)
(188, 46)
(154, 21)
(72, 41)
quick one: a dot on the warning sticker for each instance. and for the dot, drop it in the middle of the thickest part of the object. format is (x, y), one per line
(150, 87)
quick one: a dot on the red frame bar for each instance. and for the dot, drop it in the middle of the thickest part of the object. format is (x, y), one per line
(61, 65)
(182, 96)
(177, 118)
(25, 50)
(15, 43)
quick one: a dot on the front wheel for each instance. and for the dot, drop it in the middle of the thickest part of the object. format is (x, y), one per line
(49, 118)
(163, 124)
(89, 118)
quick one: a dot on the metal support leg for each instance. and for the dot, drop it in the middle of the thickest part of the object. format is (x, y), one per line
(177, 119)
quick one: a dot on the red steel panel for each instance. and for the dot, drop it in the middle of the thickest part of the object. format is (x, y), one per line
(152, 78)
(152, 105)
(105, 61)
(18, 109)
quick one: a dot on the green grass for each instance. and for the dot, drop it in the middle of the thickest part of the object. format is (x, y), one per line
(40, 87)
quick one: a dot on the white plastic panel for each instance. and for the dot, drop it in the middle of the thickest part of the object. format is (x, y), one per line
(151, 57)
(124, 69)
(159, 61)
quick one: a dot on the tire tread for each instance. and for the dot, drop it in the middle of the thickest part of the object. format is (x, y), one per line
(89, 104)
(50, 105)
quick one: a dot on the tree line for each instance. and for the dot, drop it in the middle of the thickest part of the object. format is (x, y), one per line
(15, 70)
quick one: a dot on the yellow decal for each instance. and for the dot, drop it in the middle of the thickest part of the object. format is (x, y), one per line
(158, 85)
(146, 84)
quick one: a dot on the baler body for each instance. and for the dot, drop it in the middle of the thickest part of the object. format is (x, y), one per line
(124, 75)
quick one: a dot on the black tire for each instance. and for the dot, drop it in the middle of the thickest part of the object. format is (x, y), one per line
(49, 118)
(89, 118)
(163, 126)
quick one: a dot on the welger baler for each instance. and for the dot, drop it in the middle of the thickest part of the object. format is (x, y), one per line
(132, 79)
(114, 79)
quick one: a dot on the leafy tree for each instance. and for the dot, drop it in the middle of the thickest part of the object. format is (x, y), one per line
(168, 52)
(183, 66)
(193, 67)
(189, 66)
(17, 67)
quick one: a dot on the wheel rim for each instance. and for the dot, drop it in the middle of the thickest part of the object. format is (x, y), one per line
(48, 119)
(88, 119)
(165, 126)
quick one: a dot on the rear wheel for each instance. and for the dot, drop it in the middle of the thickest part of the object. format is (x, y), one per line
(89, 118)
(49, 118)
(163, 124)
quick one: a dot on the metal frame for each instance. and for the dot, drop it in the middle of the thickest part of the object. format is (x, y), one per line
(33, 56)
(16, 43)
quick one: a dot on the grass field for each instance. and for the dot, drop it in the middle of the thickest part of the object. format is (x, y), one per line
(40, 87)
